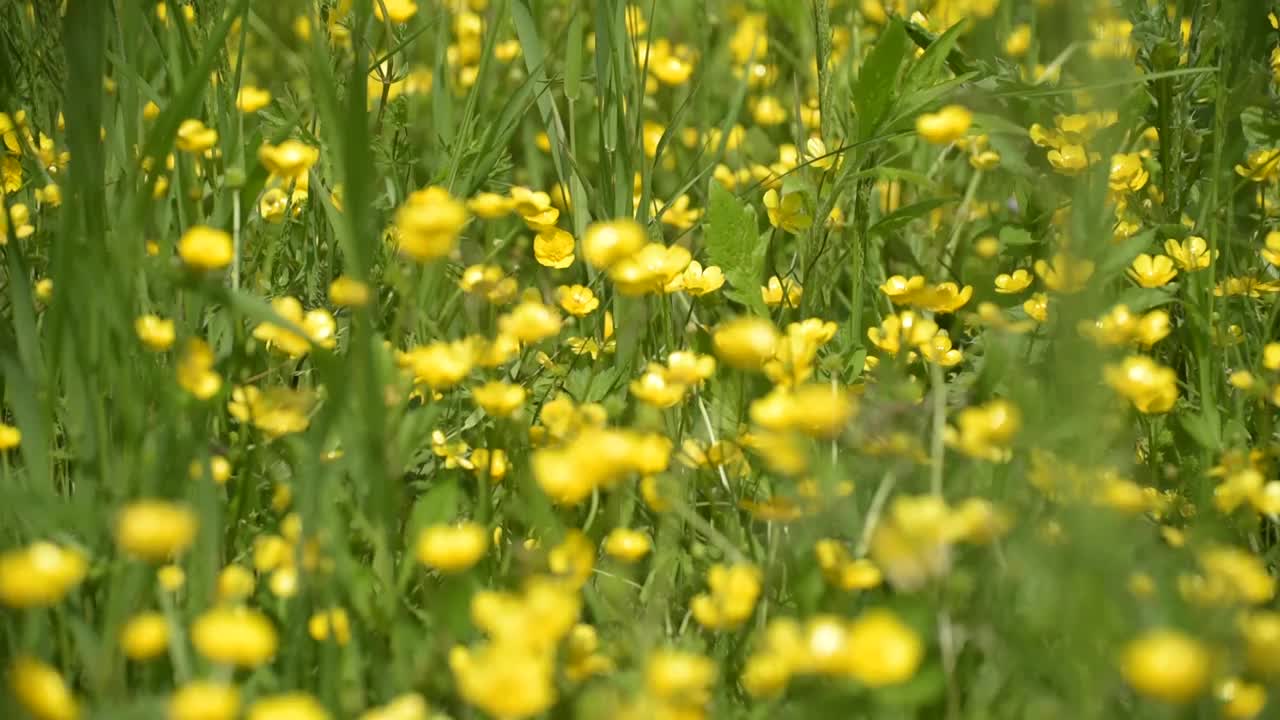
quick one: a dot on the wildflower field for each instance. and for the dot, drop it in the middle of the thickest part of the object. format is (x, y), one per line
(420, 359)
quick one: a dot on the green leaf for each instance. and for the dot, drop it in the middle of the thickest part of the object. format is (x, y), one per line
(1015, 237)
(732, 244)
(904, 215)
(874, 90)
(927, 71)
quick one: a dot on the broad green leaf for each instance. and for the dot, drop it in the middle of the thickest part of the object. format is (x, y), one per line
(732, 244)
(874, 90)
(1015, 237)
(927, 71)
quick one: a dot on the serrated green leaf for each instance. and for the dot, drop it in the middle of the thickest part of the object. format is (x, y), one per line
(732, 244)
(873, 92)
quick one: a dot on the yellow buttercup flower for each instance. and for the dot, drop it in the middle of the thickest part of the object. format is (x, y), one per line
(1191, 254)
(155, 332)
(205, 248)
(1014, 282)
(39, 574)
(194, 137)
(499, 399)
(318, 324)
(234, 636)
(696, 280)
(606, 243)
(452, 548)
(10, 437)
(1064, 274)
(346, 291)
(746, 343)
(332, 623)
(553, 248)
(276, 411)
(203, 700)
(288, 706)
(428, 223)
(627, 545)
(786, 293)
(155, 529)
(945, 126)
(732, 598)
(41, 690)
(145, 636)
(530, 322)
(787, 213)
(1150, 272)
(289, 160)
(651, 269)
(882, 649)
(577, 300)
(1166, 665)
(1151, 387)
(440, 365)
(1127, 173)
(251, 99)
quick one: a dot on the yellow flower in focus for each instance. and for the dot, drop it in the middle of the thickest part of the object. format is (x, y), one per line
(1015, 282)
(627, 545)
(945, 126)
(203, 700)
(155, 332)
(145, 636)
(782, 292)
(206, 249)
(696, 280)
(452, 548)
(1166, 665)
(41, 690)
(287, 706)
(428, 223)
(1127, 173)
(39, 574)
(577, 300)
(1151, 272)
(155, 530)
(553, 248)
(235, 636)
(787, 213)
(499, 399)
(1191, 254)
(882, 649)
(194, 137)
